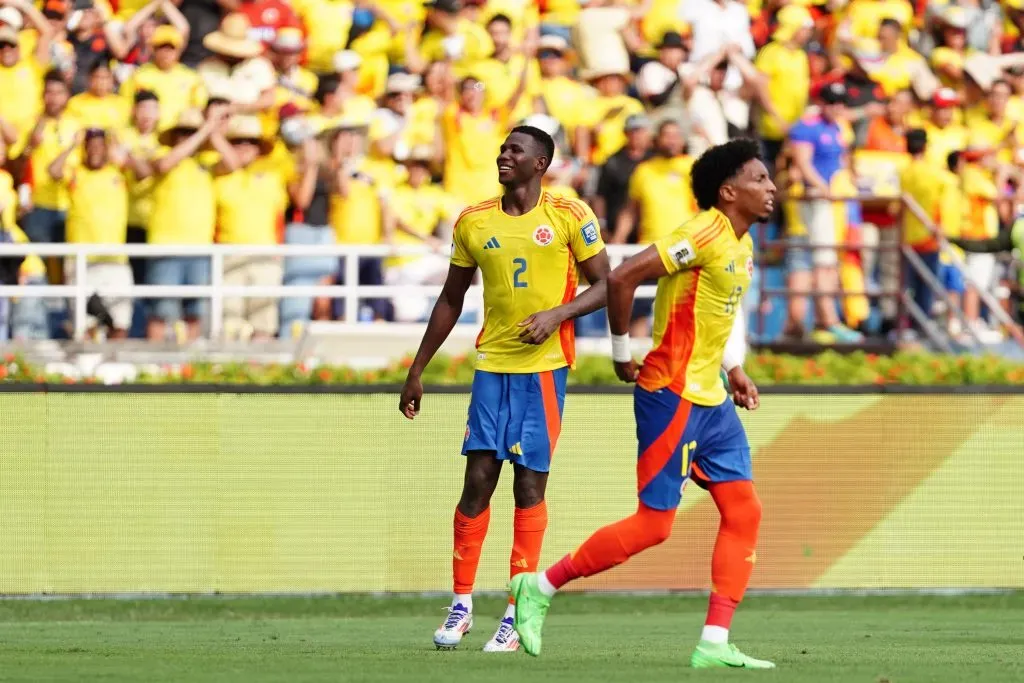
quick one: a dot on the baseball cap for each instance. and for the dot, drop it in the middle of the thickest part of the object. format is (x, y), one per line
(637, 122)
(8, 36)
(945, 97)
(166, 35)
(11, 17)
(288, 39)
(553, 43)
(833, 93)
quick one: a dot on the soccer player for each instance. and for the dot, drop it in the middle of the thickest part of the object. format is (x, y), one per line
(685, 424)
(528, 245)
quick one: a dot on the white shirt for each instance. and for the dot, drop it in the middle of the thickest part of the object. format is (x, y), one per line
(715, 25)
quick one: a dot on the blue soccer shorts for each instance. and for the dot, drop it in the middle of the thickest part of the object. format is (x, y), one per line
(679, 440)
(518, 416)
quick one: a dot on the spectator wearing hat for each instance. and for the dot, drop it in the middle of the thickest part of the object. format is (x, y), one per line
(139, 30)
(501, 72)
(237, 67)
(818, 149)
(863, 18)
(945, 134)
(390, 126)
(176, 86)
(98, 214)
(450, 36)
(295, 84)
(783, 61)
(354, 105)
(359, 209)
(613, 180)
(251, 199)
(424, 214)
(947, 60)
(267, 17)
(20, 69)
(99, 105)
(183, 212)
(559, 96)
(606, 114)
(139, 141)
(659, 82)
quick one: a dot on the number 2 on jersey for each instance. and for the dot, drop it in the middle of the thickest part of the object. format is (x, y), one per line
(520, 270)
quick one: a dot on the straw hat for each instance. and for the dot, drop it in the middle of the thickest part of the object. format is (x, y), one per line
(246, 128)
(232, 38)
(189, 121)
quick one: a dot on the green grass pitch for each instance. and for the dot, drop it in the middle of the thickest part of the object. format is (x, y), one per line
(977, 639)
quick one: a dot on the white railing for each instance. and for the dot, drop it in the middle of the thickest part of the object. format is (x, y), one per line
(351, 292)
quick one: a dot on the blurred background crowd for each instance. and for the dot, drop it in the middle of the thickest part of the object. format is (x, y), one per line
(317, 122)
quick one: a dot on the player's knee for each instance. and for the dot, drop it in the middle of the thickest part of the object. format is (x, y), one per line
(527, 494)
(656, 525)
(742, 512)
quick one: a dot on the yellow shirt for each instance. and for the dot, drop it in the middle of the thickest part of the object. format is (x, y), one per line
(562, 12)
(608, 118)
(470, 42)
(109, 113)
(897, 71)
(528, 264)
(942, 141)
(177, 89)
(58, 134)
(22, 88)
(565, 100)
(357, 217)
(420, 209)
(979, 194)
(250, 202)
(944, 56)
(97, 207)
(789, 81)
(32, 265)
(328, 23)
(500, 80)
(924, 182)
(709, 270)
(661, 188)
(471, 144)
(982, 131)
(423, 122)
(140, 192)
(184, 206)
(866, 16)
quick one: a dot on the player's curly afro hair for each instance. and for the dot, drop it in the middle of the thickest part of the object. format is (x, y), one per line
(718, 165)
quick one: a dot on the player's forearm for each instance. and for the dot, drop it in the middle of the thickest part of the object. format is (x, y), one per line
(442, 321)
(592, 299)
(620, 291)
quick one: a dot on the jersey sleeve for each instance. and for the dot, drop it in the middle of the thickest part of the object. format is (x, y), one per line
(461, 255)
(802, 132)
(584, 234)
(686, 247)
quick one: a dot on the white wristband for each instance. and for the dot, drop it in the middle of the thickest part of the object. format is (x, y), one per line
(620, 348)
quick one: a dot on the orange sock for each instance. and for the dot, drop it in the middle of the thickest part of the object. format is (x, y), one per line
(614, 544)
(529, 526)
(469, 539)
(733, 558)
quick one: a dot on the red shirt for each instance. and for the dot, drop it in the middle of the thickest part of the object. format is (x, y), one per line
(266, 16)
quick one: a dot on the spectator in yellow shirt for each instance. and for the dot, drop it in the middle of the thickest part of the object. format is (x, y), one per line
(98, 214)
(140, 141)
(21, 71)
(451, 36)
(558, 95)
(183, 212)
(925, 183)
(53, 133)
(295, 84)
(500, 73)
(176, 86)
(251, 199)
(945, 135)
(660, 200)
(353, 104)
(607, 113)
(948, 59)
(99, 106)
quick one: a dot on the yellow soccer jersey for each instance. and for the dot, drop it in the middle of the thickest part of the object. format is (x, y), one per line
(528, 264)
(709, 270)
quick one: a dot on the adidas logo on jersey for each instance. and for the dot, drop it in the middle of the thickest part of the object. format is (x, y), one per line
(492, 244)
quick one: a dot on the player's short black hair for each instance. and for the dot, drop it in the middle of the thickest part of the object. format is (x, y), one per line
(546, 142)
(953, 160)
(917, 140)
(718, 165)
(500, 17)
(145, 96)
(55, 76)
(327, 85)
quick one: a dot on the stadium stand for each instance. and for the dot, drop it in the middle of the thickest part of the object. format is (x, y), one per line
(186, 123)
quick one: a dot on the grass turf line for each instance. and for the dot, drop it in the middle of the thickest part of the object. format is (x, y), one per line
(902, 639)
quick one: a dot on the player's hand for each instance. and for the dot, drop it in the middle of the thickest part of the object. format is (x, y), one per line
(744, 391)
(539, 326)
(627, 372)
(412, 392)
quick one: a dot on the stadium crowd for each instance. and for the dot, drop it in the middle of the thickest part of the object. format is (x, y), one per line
(194, 122)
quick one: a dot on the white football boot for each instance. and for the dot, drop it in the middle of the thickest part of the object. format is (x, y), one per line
(505, 639)
(457, 624)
